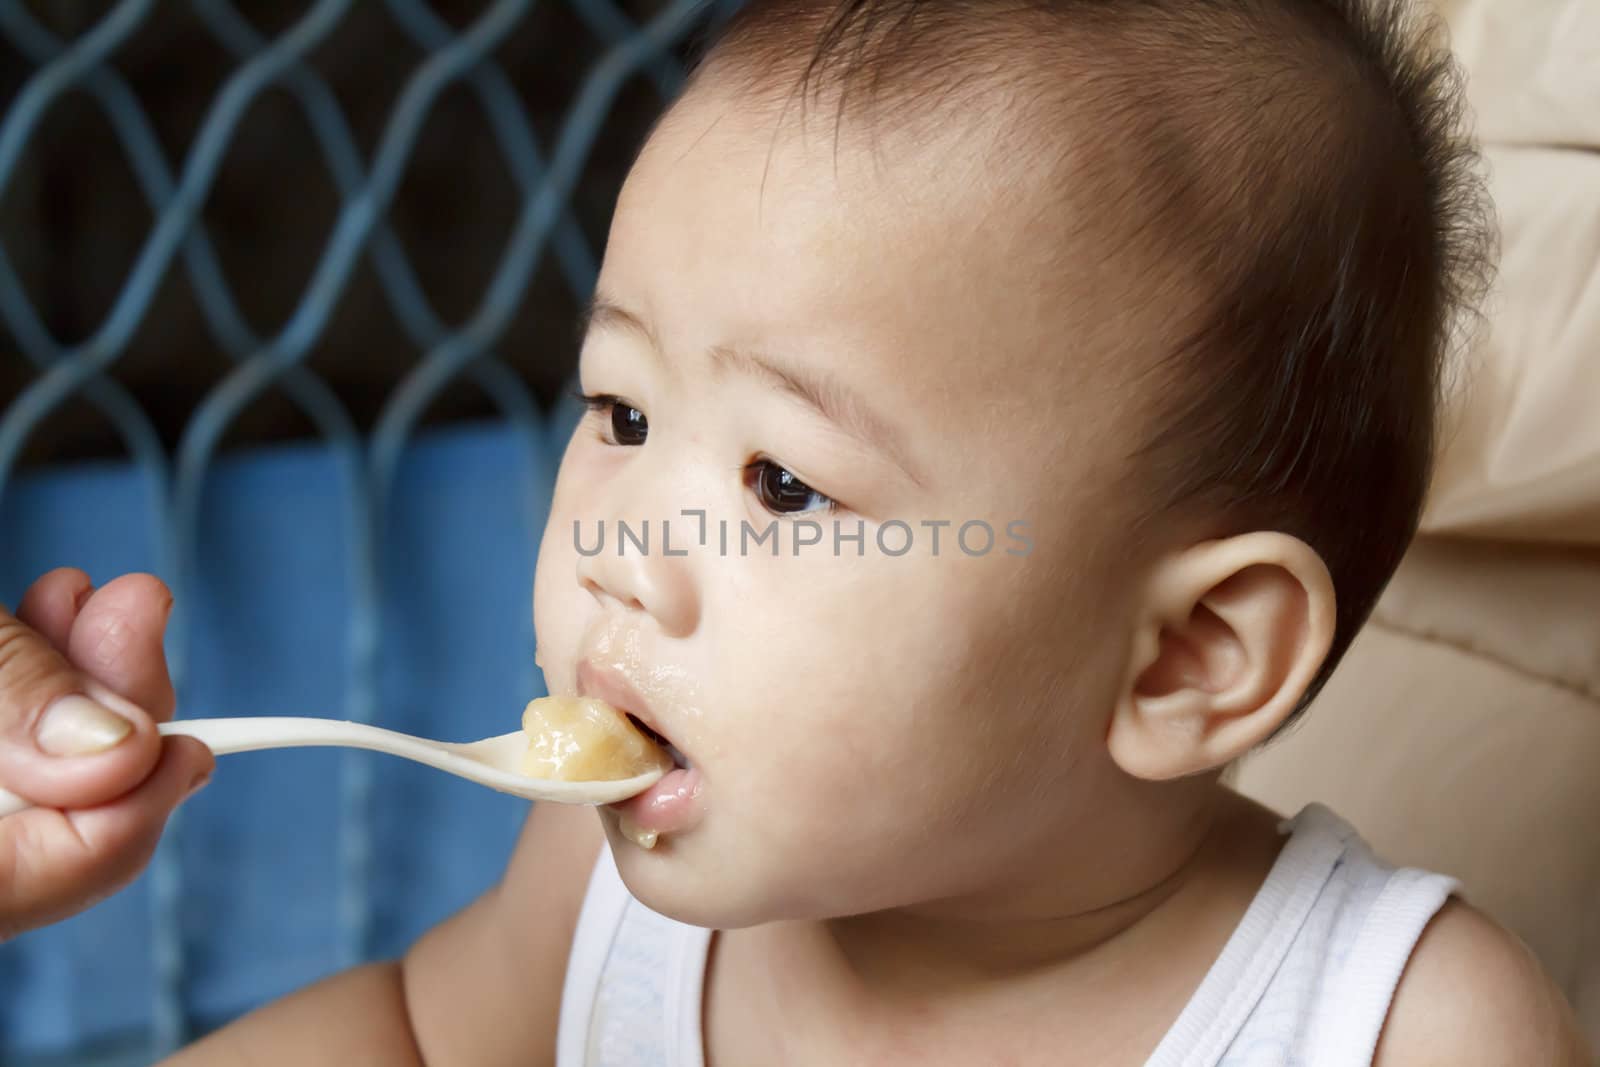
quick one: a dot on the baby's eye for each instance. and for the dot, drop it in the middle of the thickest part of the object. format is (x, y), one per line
(781, 492)
(628, 424)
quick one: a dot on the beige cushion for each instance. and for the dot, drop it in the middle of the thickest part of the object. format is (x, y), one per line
(1521, 457)
(1534, 67)
(1462, 734)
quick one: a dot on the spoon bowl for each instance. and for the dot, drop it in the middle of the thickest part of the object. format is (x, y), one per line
(493, 761)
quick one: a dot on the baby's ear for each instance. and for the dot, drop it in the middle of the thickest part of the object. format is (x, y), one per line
(1229, 636)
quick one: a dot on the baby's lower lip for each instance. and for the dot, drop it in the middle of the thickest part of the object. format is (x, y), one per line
(671, 806)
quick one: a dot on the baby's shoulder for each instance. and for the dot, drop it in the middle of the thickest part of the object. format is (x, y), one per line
(1473, 993)
(485, 985)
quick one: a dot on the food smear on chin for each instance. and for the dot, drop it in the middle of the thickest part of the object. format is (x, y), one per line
(636, 833)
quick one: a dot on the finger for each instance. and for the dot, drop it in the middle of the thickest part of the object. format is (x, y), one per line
(116, 640)
(65, 741)
(54, 864)
(52, 602)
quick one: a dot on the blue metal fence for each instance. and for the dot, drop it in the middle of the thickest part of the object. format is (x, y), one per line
(367, 467)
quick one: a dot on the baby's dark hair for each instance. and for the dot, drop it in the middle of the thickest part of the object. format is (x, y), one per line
(1301, 164)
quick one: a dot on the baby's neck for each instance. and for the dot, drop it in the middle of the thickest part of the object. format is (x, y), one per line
(1113, 947)
(1063, 920)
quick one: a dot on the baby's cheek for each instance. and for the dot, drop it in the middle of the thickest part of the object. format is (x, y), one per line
(557, 614)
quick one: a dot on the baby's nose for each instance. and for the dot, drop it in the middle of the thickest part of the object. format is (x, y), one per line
(624, 571)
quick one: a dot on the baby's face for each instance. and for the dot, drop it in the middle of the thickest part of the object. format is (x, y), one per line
(872, 723)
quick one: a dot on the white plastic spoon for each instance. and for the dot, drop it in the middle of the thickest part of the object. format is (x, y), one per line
(492, 762)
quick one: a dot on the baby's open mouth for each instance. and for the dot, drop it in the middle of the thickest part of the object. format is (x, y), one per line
(671, 749)
(586, 739)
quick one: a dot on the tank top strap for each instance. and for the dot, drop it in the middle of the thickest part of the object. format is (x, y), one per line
(1253, 955)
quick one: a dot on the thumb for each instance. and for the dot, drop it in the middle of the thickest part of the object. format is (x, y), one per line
(56, 863)
(65, 741)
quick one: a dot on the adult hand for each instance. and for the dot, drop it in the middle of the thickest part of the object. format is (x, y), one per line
(83, 681)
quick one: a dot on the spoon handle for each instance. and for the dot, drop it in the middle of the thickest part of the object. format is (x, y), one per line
(488, 762)
(226, 736)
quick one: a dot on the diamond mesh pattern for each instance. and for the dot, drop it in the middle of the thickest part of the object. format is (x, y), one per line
(176, 192)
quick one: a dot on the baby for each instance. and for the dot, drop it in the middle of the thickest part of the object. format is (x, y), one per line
(1002, 416)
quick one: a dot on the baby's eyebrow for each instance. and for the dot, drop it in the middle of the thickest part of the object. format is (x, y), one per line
(828, 396)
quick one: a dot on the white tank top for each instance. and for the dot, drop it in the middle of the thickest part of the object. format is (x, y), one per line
(1305, 979)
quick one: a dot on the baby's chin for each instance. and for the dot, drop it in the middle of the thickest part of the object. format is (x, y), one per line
(691, 880)
(664, 881)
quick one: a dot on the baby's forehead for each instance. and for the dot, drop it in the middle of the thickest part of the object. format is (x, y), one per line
(913, 269)
(982, 204)
(929, 233)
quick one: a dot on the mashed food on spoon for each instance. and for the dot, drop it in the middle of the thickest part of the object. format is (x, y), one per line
(581, 739)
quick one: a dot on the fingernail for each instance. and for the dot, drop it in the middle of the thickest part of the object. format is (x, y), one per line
(198, 784)
(82, 598)
(77, 726)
